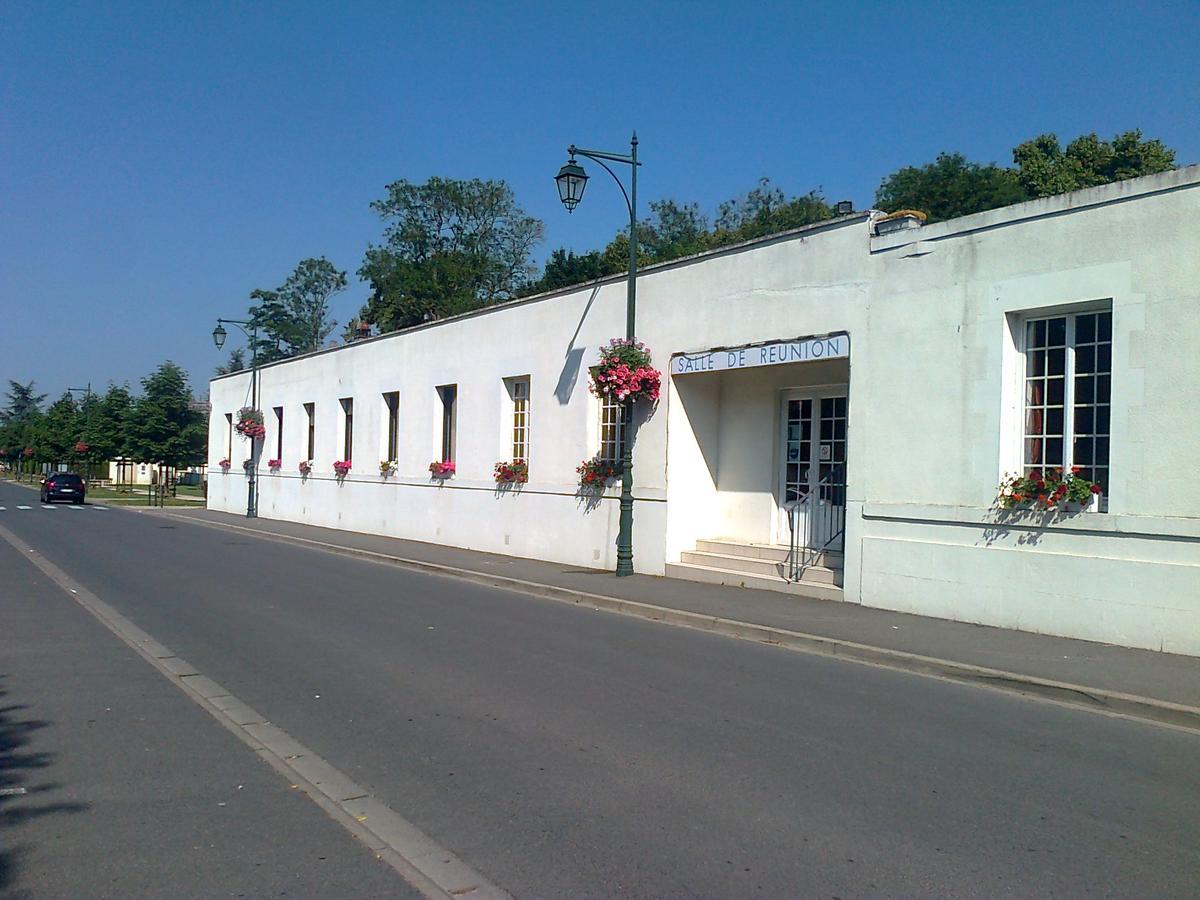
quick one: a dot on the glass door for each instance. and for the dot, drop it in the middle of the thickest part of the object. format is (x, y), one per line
(812, 484)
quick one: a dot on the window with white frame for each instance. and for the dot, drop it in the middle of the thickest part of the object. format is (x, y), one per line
(310, 411)
(391, 403)
(518, 392)
(1068, 390)
(347, 428)
(610, 429)
(448, 394)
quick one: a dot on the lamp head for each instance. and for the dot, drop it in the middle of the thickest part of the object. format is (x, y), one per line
(219, 335)
(571, 181)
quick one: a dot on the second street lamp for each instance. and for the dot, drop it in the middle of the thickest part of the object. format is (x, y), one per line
(572, 180)
(219, 334)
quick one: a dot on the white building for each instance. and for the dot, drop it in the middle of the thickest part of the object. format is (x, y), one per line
(887, 382)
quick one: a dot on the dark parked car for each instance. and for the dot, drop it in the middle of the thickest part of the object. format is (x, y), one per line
(63, 486)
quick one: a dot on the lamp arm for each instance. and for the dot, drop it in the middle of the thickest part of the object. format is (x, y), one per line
(599, 158)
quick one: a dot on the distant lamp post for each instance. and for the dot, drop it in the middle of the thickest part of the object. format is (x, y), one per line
(219, 334)
(87, 394)
(572, 180)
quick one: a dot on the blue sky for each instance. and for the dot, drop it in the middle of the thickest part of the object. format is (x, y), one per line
(159, 161)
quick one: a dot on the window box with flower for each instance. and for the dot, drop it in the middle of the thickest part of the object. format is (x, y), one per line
(387, 467)
(515, 472)
(274, 464)
(1049, 489)
(442, 470)
(305, 467)
(224, 464)
(341, 468)
(596, 474)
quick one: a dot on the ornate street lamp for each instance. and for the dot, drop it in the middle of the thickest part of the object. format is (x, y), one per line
(219, 334)
(572, 180)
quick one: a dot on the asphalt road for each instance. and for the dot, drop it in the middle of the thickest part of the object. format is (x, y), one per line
(567, 752)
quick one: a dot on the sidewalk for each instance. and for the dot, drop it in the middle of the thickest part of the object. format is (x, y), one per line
(1162, 686)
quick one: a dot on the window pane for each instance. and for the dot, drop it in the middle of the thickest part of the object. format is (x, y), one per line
(1054, 451)
(1085, 389)
(1057, 336)
(826, 407)
(1102, 388)
(1056, 360)
(1084, 419)
(1104, 321)
(1104, 358)
(1083, 451)
(1101, 451)
(1033, 452)
(1054, 421)
(1034, 422)
(1085, 359)
(1036, 364)
(1085, 329)
(1054, 391)
(1102, 419)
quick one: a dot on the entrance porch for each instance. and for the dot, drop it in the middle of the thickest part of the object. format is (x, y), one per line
(757, 466)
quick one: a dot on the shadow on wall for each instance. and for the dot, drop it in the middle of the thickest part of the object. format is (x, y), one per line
(18, 800)
(573, 359)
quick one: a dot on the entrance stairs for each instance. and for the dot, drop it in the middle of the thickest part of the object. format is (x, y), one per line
(762, 566)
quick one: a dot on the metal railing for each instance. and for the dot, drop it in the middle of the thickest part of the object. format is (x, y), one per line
(823, 523)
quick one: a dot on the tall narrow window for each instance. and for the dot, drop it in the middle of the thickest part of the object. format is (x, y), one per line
(347, 427)
(279, 432)
(229, 435)
(391, 402)
(610, 429)
(449, 396)
(518, 389)
(310, 410)
(1068, 385)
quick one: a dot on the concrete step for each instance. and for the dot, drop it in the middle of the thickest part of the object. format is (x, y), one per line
(765, 567)
(690, 572)
(832, 559)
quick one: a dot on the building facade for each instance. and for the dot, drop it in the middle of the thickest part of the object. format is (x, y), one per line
(839, 406)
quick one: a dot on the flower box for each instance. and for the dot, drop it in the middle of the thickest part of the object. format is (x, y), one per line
(305, 467)
(387, 467)
(341, 468)
(1049, 489)
(596, 474)
(442, 470)
(515, 472)
(274, 464)
(224, 464)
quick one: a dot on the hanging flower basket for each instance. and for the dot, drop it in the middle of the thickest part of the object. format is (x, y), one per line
(625, 372)
(387, 467)
(442, 470)
(1048, 489)
(224, 464)
(250, 423)
(274, 464)
(341, 468)
(595, 474)
(515, 472)
(305, 467)
(81, 447)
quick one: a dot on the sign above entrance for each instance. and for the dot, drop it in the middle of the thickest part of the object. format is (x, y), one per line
(834, 346)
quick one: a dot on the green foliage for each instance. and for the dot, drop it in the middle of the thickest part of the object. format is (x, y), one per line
(766, 210)
(294, 318)
(950, 187)
(61, 428)
(1045, 168)
(106, 424)
(21, 423)
(23, 403)
(236, 363)
(449, 247)
(565, 268)
(162, 426)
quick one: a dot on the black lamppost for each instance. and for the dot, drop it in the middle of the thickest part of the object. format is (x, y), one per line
(572, 179)
(219, 334)
(87, 394)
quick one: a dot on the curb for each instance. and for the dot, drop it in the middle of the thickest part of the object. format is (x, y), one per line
(1102, 700)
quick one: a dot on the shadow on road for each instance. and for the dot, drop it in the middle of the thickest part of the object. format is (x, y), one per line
(20, 799)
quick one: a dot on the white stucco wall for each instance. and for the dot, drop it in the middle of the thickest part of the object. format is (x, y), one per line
(934, 414)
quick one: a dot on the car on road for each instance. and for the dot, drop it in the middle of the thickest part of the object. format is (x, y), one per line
(63, 486)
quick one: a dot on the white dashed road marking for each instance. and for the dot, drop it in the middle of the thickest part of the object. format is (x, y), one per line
(24, 507)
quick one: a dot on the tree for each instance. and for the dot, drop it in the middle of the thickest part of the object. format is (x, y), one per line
(949, 187)
(449, 247)
(23, 403)
(236, 363)
(163, 426)
(294, 318)
(106, 430)
(61, 430)
(21, 422)
(1045, 168)
(765, 210)
(565, 268)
